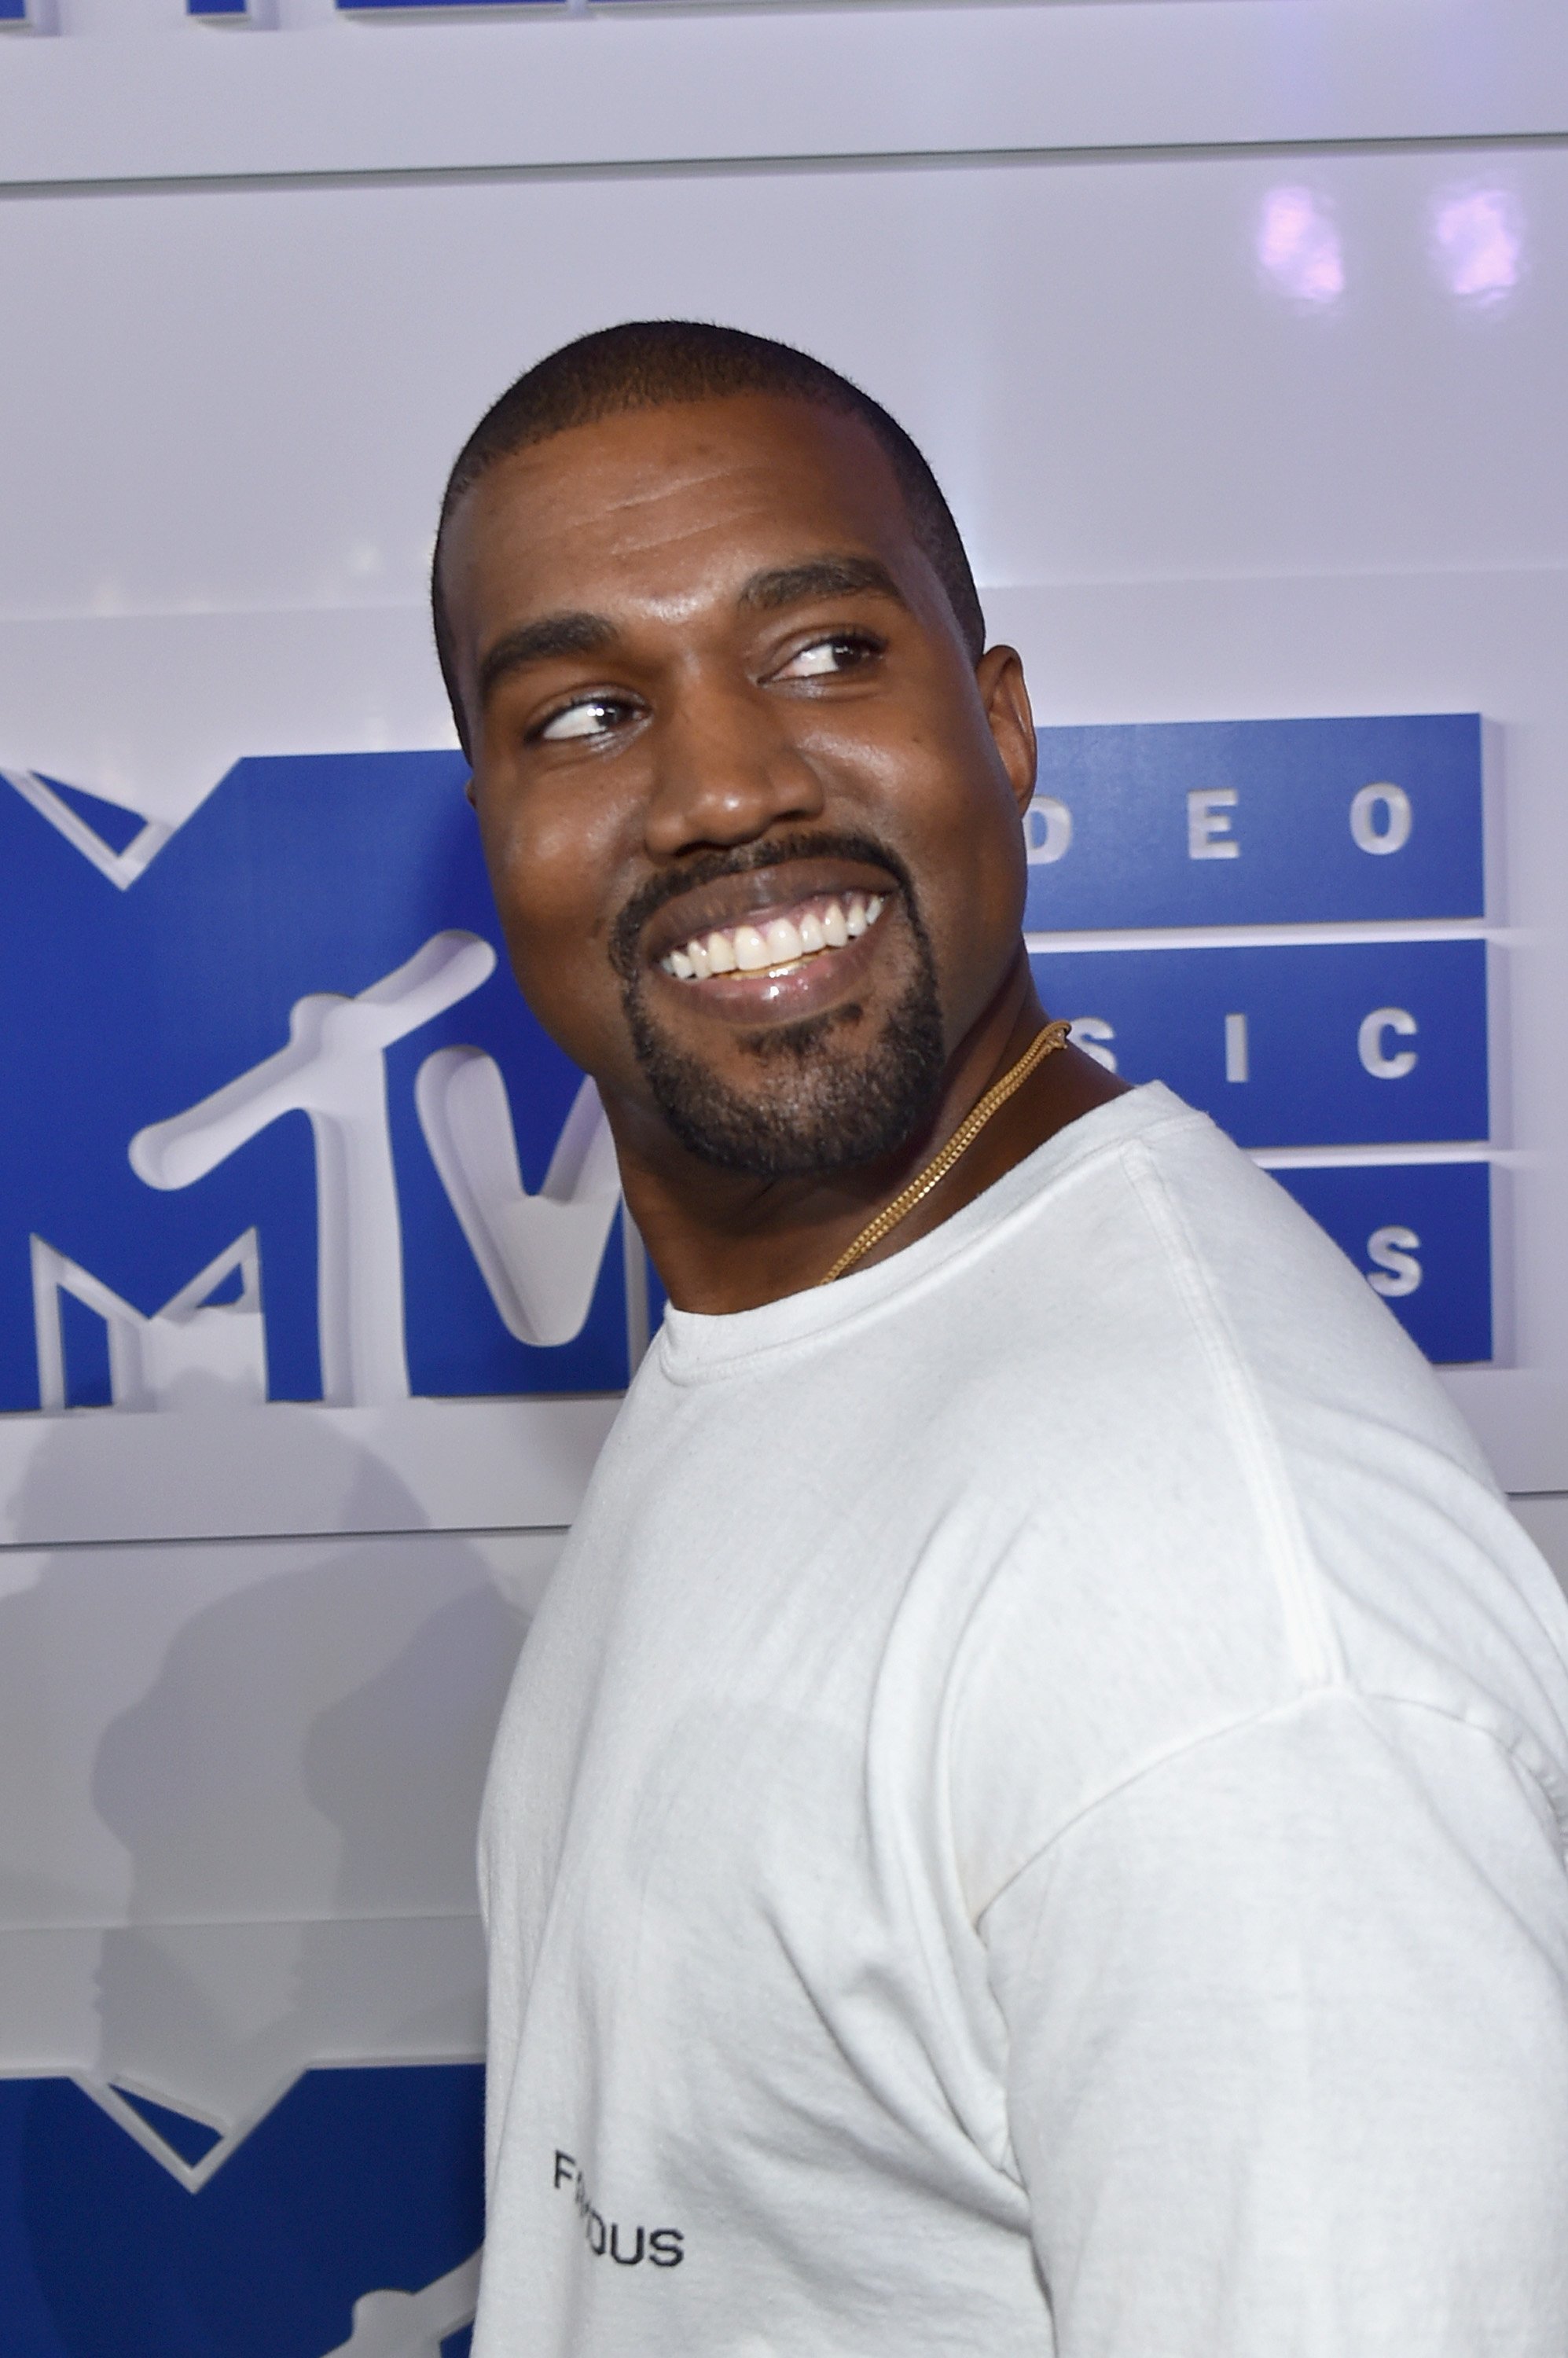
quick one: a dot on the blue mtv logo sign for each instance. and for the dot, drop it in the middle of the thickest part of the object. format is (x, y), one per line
(281, 1128)
(278, 1125)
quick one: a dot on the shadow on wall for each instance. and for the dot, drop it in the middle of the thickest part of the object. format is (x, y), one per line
(242, 1784)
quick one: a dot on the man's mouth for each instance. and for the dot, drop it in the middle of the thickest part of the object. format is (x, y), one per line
(813, 928)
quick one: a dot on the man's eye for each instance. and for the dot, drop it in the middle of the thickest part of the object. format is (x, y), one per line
(843, 651)
(592, 716)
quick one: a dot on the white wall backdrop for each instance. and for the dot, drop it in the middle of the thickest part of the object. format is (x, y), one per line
(1234, 329)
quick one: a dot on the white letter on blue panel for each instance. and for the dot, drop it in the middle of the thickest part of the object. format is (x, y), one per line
(538, 1254)
(1209, 829)
(1237, 1067)
(1394, 832)
(1397, 1272)
(194, 1352)
(1047, 831)
(334, 1069)
(1369, 1042)
(1089, 1033)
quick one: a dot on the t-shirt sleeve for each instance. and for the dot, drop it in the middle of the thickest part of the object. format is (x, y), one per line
(1288, 2032)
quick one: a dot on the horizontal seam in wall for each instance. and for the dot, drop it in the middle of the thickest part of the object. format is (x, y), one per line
(332, 1533)
(728, 167)
(232, 1923)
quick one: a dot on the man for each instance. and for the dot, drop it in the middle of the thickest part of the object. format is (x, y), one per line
(1030, 1818)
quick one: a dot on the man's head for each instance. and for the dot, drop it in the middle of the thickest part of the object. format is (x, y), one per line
(715, 655)
(649, 363)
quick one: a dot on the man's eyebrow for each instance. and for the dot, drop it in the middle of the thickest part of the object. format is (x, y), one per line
(821, 577)
(531, 642)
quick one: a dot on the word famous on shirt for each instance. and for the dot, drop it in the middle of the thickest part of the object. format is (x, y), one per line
(664, 2247)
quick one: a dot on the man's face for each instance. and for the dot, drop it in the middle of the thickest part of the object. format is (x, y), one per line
(749, 813)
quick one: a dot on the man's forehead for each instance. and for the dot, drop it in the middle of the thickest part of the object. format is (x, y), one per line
(649, 487)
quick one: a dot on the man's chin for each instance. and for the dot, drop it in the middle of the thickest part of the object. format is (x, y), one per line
(815, 1100)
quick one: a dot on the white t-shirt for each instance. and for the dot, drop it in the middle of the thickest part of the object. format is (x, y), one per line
(1032, 1820)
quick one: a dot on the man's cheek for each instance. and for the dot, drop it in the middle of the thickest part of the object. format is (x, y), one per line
(566, 979)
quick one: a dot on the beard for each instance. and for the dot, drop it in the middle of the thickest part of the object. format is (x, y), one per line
(832, 1093)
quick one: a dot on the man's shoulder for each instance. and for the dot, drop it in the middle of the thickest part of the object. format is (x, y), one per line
(1158, 1254)
(1230, 1479)
(1223, 1411)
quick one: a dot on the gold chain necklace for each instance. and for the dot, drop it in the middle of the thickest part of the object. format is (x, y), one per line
(1044, 1044)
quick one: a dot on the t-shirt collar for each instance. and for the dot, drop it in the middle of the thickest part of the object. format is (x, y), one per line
(693, 1346)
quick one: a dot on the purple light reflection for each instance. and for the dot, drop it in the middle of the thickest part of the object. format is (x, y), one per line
(1298, 246)
(1477, 237)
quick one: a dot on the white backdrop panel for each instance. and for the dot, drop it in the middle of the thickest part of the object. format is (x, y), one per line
(240, 1787)
(249, 399)
(134, 90)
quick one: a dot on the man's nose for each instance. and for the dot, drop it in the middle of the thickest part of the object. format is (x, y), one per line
(726, 771)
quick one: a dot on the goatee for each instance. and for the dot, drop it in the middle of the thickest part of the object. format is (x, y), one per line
(826, 1100)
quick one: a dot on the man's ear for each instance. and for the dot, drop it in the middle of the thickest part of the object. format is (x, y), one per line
(469, 791)
(998, 675)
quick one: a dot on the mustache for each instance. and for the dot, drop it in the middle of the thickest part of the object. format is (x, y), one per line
(713, 867)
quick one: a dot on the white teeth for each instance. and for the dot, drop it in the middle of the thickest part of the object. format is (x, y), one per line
(783, 941)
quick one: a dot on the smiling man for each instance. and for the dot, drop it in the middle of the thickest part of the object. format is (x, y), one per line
(1031, 1819)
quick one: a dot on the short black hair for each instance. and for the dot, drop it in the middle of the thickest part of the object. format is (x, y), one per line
(654, 363)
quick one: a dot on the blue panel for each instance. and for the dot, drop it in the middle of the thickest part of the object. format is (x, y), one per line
(111, 822)
(1424, 1231)
(356, 2181)
(118, 1009)
(13, 12)
(1250, 822)
(87, 1355)
(1305, 1080)
(218, 8)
